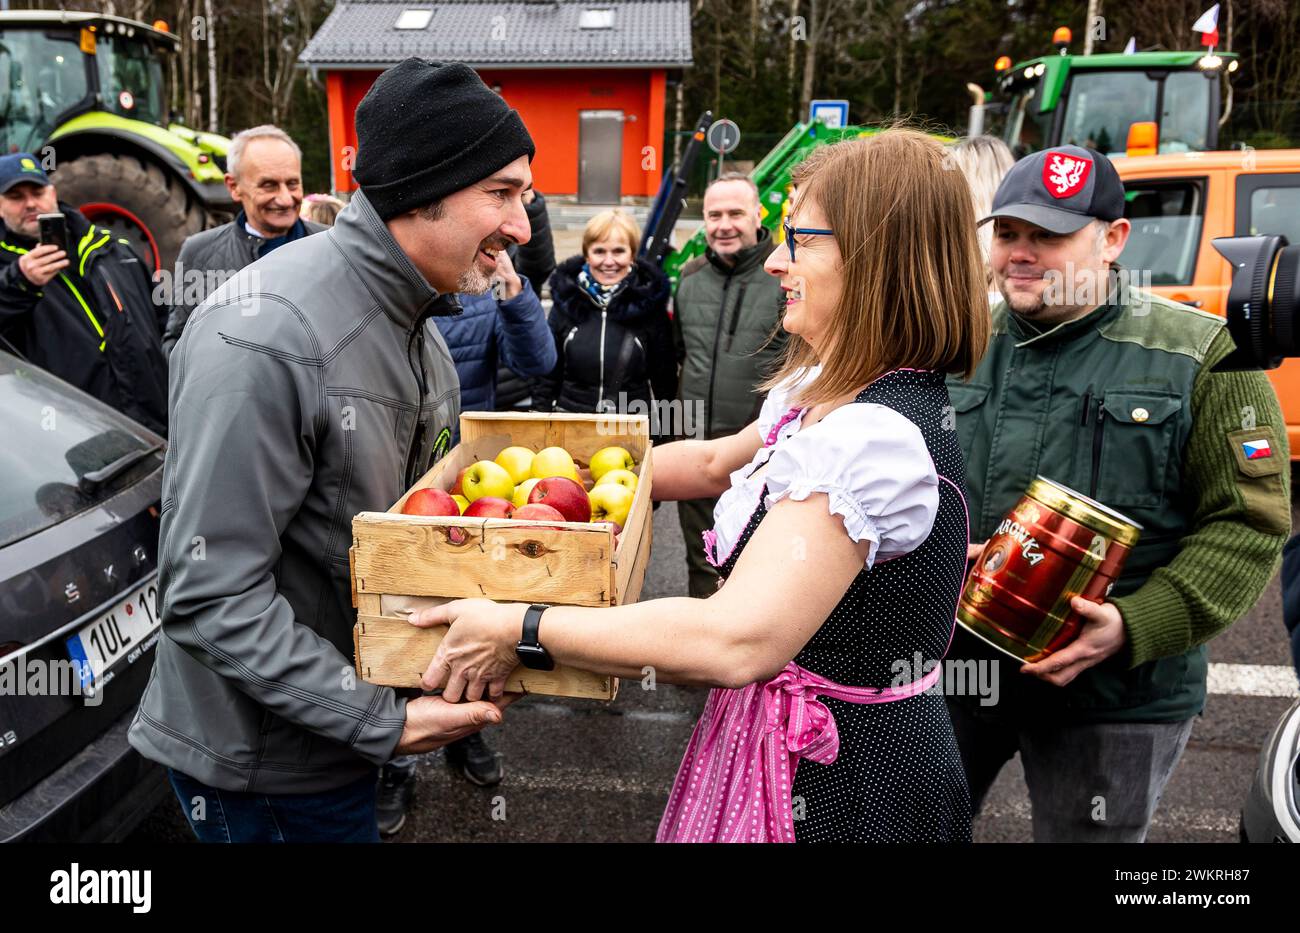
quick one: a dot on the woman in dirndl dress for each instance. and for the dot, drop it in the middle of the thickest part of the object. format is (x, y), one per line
(840, 534)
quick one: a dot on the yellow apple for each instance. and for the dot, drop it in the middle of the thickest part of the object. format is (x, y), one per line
(554, 461)
(611, 502)
(610, 458)
(622, 477)
(518, 462)
(486, 478)
(520, 498)
(462, 502)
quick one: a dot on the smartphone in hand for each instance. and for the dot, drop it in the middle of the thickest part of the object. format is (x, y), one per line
(54, 230)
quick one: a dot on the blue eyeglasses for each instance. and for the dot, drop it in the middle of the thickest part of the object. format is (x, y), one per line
(804, 231)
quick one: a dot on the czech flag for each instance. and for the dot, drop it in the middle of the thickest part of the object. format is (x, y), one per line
(1208, 26)
(1256, 450)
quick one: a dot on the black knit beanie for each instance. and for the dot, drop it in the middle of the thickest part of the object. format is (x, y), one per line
(427, 129)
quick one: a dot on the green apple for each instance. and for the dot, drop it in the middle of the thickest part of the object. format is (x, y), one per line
(610, 458)
(518, 462)
(486, 478)
(611, 502)
(554, 461)
(622, 477)
(462, 502)
(520, 498)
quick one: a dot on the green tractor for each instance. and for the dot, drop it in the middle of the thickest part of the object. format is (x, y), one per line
(1095, 100)
(87, 95)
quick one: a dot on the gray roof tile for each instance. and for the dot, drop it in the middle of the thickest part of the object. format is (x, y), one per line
(361, 32)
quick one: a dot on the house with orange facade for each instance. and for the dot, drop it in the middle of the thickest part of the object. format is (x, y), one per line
(591, 79)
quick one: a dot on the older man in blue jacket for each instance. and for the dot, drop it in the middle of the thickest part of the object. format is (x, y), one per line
(504, 326)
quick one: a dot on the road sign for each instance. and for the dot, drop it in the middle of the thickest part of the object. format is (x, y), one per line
(833, 113)
(723, 136)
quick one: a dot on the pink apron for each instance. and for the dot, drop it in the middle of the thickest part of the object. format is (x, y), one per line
(734, 781)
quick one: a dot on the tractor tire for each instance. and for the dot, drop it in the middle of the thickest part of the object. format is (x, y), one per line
(136, 199)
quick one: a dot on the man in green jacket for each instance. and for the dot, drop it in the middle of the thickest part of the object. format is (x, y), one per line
(725, 311)
(1111, 391)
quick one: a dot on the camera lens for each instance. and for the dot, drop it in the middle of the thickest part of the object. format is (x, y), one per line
(1263, 300)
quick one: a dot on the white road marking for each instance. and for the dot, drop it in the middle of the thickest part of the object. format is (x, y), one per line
(1252, 680)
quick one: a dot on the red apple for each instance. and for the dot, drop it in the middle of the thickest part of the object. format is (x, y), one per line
(458, 487)
(613, 526)
(430, 502)
(538, 512)
(490, 507)
(565, 496)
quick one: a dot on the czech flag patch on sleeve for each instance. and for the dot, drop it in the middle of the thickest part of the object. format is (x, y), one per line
(1256, 449)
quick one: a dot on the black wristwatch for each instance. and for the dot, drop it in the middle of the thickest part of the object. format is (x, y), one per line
(530, 652)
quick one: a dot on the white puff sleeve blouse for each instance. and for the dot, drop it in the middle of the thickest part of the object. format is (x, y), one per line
(870, 461)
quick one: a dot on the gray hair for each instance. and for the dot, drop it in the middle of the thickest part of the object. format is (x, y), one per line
(235, 154)
(735, 176)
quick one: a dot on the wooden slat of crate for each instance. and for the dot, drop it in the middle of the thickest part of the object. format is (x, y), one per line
(499, 559)
(636, 536)
(631, 591)
(396, 653)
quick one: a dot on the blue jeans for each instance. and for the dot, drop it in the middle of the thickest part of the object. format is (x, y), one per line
(346, 814)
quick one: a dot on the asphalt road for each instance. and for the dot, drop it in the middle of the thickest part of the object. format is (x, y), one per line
(585, 771)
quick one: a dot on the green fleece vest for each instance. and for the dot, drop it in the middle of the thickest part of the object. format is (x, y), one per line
(724, 316)
(1104, 405)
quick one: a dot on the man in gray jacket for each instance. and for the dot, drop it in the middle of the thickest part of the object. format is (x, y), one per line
(264, 174)
(306, 389)
(725, 310)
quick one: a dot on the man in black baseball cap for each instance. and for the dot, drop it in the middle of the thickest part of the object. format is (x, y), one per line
(1058, 221)
(84, 309)
(1109, 390)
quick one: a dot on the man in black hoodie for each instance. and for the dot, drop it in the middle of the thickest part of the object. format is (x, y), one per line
(85, 314)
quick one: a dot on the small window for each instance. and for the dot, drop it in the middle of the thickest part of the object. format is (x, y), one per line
(1275, 210)
(1185, 117)
(596, 19)
(414, 19)
(1166, 233)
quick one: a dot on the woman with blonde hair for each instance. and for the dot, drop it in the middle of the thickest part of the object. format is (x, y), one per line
(840, 533)
(609, 318)
(984, 160)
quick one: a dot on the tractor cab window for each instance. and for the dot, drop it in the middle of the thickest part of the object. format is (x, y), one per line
(130, 79)
(1185, 113)
(1026, 127)
(1102, 104)
(41, 76)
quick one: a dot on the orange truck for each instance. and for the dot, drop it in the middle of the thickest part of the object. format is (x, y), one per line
(1178, 203)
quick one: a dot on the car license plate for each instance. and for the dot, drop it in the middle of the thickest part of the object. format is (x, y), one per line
(115, 634)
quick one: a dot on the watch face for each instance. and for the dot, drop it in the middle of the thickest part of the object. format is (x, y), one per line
(535, 657)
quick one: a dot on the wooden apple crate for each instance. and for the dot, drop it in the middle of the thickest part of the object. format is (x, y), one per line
(401, 563)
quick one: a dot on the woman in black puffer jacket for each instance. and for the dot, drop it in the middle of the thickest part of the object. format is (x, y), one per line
(613, 336)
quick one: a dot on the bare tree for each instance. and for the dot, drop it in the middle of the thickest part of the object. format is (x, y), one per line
(212, 66)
